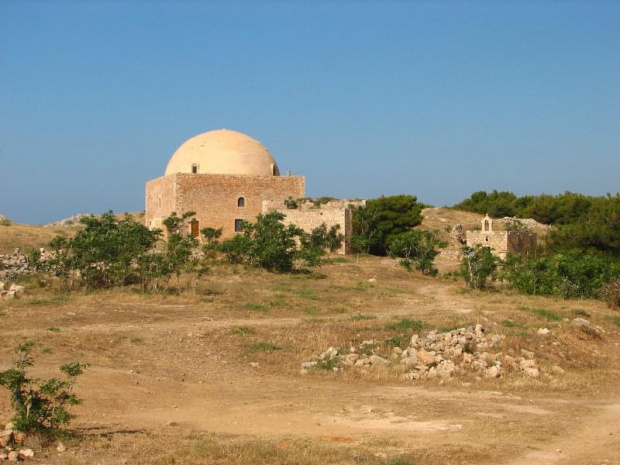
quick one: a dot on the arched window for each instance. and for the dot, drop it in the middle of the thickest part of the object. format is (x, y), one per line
(241, 202)
(486, 225)
(194, 168)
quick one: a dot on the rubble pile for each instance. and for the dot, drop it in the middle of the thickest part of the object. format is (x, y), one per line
(437, 355)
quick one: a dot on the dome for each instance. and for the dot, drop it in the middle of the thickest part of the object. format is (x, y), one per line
(223, 152)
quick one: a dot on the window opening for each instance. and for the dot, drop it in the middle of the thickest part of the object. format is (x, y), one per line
(194, 168)
(238, 225)
(241, 202)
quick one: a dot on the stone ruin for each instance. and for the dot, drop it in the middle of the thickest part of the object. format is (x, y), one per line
(437, 355)
(18, 264)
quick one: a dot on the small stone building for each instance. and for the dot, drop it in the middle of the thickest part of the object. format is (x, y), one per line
(501, 243)
(226, 178)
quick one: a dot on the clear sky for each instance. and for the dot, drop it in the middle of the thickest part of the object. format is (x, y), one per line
(437, 99)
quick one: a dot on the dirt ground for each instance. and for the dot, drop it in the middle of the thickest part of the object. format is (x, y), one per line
(213, 376)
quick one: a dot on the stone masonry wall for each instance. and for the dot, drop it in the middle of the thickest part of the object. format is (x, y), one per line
(309, 215)
(214, 197)
(160, 200)
(502, 242)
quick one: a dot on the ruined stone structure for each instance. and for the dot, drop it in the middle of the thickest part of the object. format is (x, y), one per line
(226, 177)
(501, 243)
(309, 214)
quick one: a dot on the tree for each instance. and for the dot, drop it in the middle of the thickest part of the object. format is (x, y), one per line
(478, 266)
(105, 252)
(377, 224)
(417, 250)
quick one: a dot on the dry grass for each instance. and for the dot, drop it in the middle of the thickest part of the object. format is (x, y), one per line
(213, 376)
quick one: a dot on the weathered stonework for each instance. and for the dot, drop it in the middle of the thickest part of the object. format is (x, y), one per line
(216, 197)
(501, 243)
(310, 214)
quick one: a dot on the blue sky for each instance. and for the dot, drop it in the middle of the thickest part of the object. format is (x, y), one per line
(436, 99)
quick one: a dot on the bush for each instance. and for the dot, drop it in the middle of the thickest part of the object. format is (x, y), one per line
(40, 405)
(611, 294)
(271, 245)
(567, 275)
(478, 266)
(417, 250)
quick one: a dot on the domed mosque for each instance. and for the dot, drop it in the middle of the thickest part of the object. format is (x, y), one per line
(226, 178)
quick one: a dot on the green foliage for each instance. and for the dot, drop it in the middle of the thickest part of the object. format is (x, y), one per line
(567, 275)
(105, 252)
(109, 252)
(264, 347)
(417, 250)
(406, 325)
(611, 294)
(582, 222)
(271, 245)
(40, 405)
(328, 364)
(383, 220)
(478, 266)
(361, 317)
(546, 314)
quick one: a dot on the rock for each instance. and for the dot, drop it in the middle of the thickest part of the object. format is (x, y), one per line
(532, 372)
(581, 322)
(414, 340)
(19, 436)
(446, 369)
(329, 354)
(13, 456)
(426, 358)
(26, 454)
(397, 350)
(61, 447)
(372, 280)
(492, 372)
(557, 370)
(376, 360)
(255, 364)
(3, 455)
(543, 331)
(528, 364)
(527, 353)
(308, 365)
(18, 290)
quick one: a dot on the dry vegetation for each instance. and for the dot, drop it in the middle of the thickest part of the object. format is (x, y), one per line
(174, 377)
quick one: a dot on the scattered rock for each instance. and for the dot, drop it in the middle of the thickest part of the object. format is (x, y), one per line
(26, 454)
(543, 331)
(437, 355)
(61, 447)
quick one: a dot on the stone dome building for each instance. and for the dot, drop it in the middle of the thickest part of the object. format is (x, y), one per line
(224, 176)
(223, 152)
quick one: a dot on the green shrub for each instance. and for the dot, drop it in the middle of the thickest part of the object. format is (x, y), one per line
(417, 250)
(40, 405)
(264, 347)
(405, 325)
(546, 314)
(478, 266)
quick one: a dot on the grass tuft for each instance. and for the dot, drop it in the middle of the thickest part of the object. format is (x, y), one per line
(405, 325)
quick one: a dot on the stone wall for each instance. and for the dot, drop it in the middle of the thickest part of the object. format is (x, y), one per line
(216, 197)
(160, 200)
(310, 214)
(502, 242)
